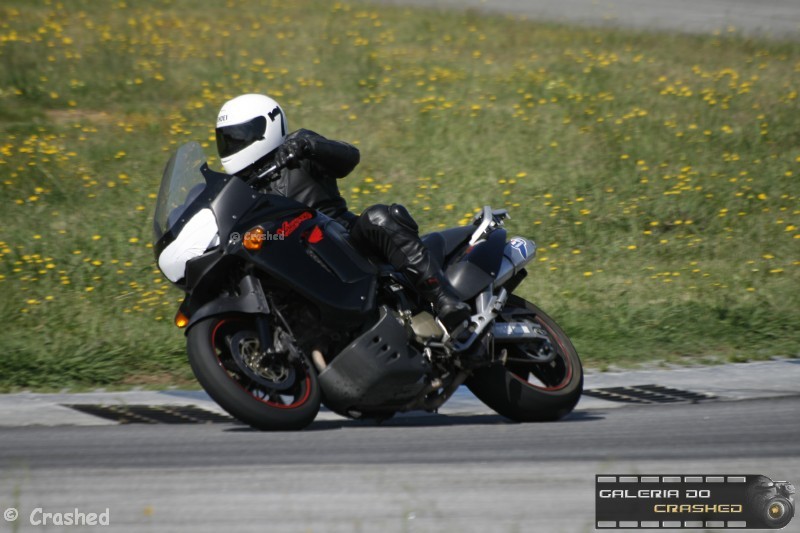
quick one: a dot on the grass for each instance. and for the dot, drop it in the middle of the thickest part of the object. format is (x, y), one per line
(657, 173)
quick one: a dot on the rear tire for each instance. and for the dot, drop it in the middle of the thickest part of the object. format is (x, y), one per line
(532, 392)
(291, 408)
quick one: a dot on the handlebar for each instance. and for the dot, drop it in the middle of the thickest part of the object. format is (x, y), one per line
(271, 173)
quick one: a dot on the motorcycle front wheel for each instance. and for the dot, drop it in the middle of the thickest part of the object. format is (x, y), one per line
(267, 392)
(542, 380)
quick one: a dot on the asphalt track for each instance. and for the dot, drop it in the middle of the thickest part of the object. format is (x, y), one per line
(457, 472)
(751, 428)
(765, 18)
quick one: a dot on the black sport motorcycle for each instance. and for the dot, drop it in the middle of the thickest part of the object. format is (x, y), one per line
(283, 314)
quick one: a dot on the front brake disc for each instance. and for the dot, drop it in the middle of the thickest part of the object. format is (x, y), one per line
(267, 370)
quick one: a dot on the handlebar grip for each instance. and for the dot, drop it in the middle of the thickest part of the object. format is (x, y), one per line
(273, 169)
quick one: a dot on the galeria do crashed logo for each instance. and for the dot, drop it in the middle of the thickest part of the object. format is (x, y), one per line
(670, 501)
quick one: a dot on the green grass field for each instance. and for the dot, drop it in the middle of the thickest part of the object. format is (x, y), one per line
(657, 173)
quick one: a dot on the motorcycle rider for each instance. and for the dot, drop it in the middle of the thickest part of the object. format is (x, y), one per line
(252, 134)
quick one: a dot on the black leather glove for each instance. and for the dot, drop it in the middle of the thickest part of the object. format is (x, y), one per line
(292, 151)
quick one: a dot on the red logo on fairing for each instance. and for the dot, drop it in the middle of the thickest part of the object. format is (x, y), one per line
(316, 235)
(287, 228)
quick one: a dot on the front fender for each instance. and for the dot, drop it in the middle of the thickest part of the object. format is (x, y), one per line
(250, 300)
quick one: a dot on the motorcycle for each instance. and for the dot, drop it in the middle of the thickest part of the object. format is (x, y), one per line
(282, 314)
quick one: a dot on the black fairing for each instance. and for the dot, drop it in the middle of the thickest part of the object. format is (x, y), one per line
(249, 298)
(378, 372)
(234, 200)
(329, 271)
(442, 244)
(479, 266)
(326, 269)
(455, 237)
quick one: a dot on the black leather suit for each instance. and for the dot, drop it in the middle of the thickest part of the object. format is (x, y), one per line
(386, 231)
(313, 182)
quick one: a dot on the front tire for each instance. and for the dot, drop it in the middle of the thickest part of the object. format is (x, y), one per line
(291, 405)
(529, 392)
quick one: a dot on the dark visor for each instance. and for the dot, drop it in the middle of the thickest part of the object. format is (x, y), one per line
(232, 139)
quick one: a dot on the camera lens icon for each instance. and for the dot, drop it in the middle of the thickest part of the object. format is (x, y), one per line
(778, 512)
(771, 502)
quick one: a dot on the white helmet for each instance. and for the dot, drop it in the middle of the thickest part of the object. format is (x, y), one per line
(248, 128)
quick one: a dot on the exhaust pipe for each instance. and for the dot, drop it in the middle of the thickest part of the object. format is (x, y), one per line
(518, 332)
(518, 252)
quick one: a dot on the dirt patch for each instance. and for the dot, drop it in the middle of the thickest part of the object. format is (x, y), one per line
(65, 116)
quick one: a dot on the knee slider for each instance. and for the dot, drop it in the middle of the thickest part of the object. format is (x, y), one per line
(401, 215)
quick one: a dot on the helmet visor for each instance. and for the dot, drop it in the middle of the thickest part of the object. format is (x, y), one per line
(232, 139)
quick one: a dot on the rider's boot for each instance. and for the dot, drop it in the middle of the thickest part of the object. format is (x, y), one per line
(393, 232)
(450, 310)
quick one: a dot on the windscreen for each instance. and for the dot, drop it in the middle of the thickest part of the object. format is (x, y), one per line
(181, 184)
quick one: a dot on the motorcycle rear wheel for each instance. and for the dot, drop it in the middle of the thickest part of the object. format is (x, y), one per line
(291, 405)
(531, 392)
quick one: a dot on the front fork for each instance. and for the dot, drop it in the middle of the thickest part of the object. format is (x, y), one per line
(264, 334)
